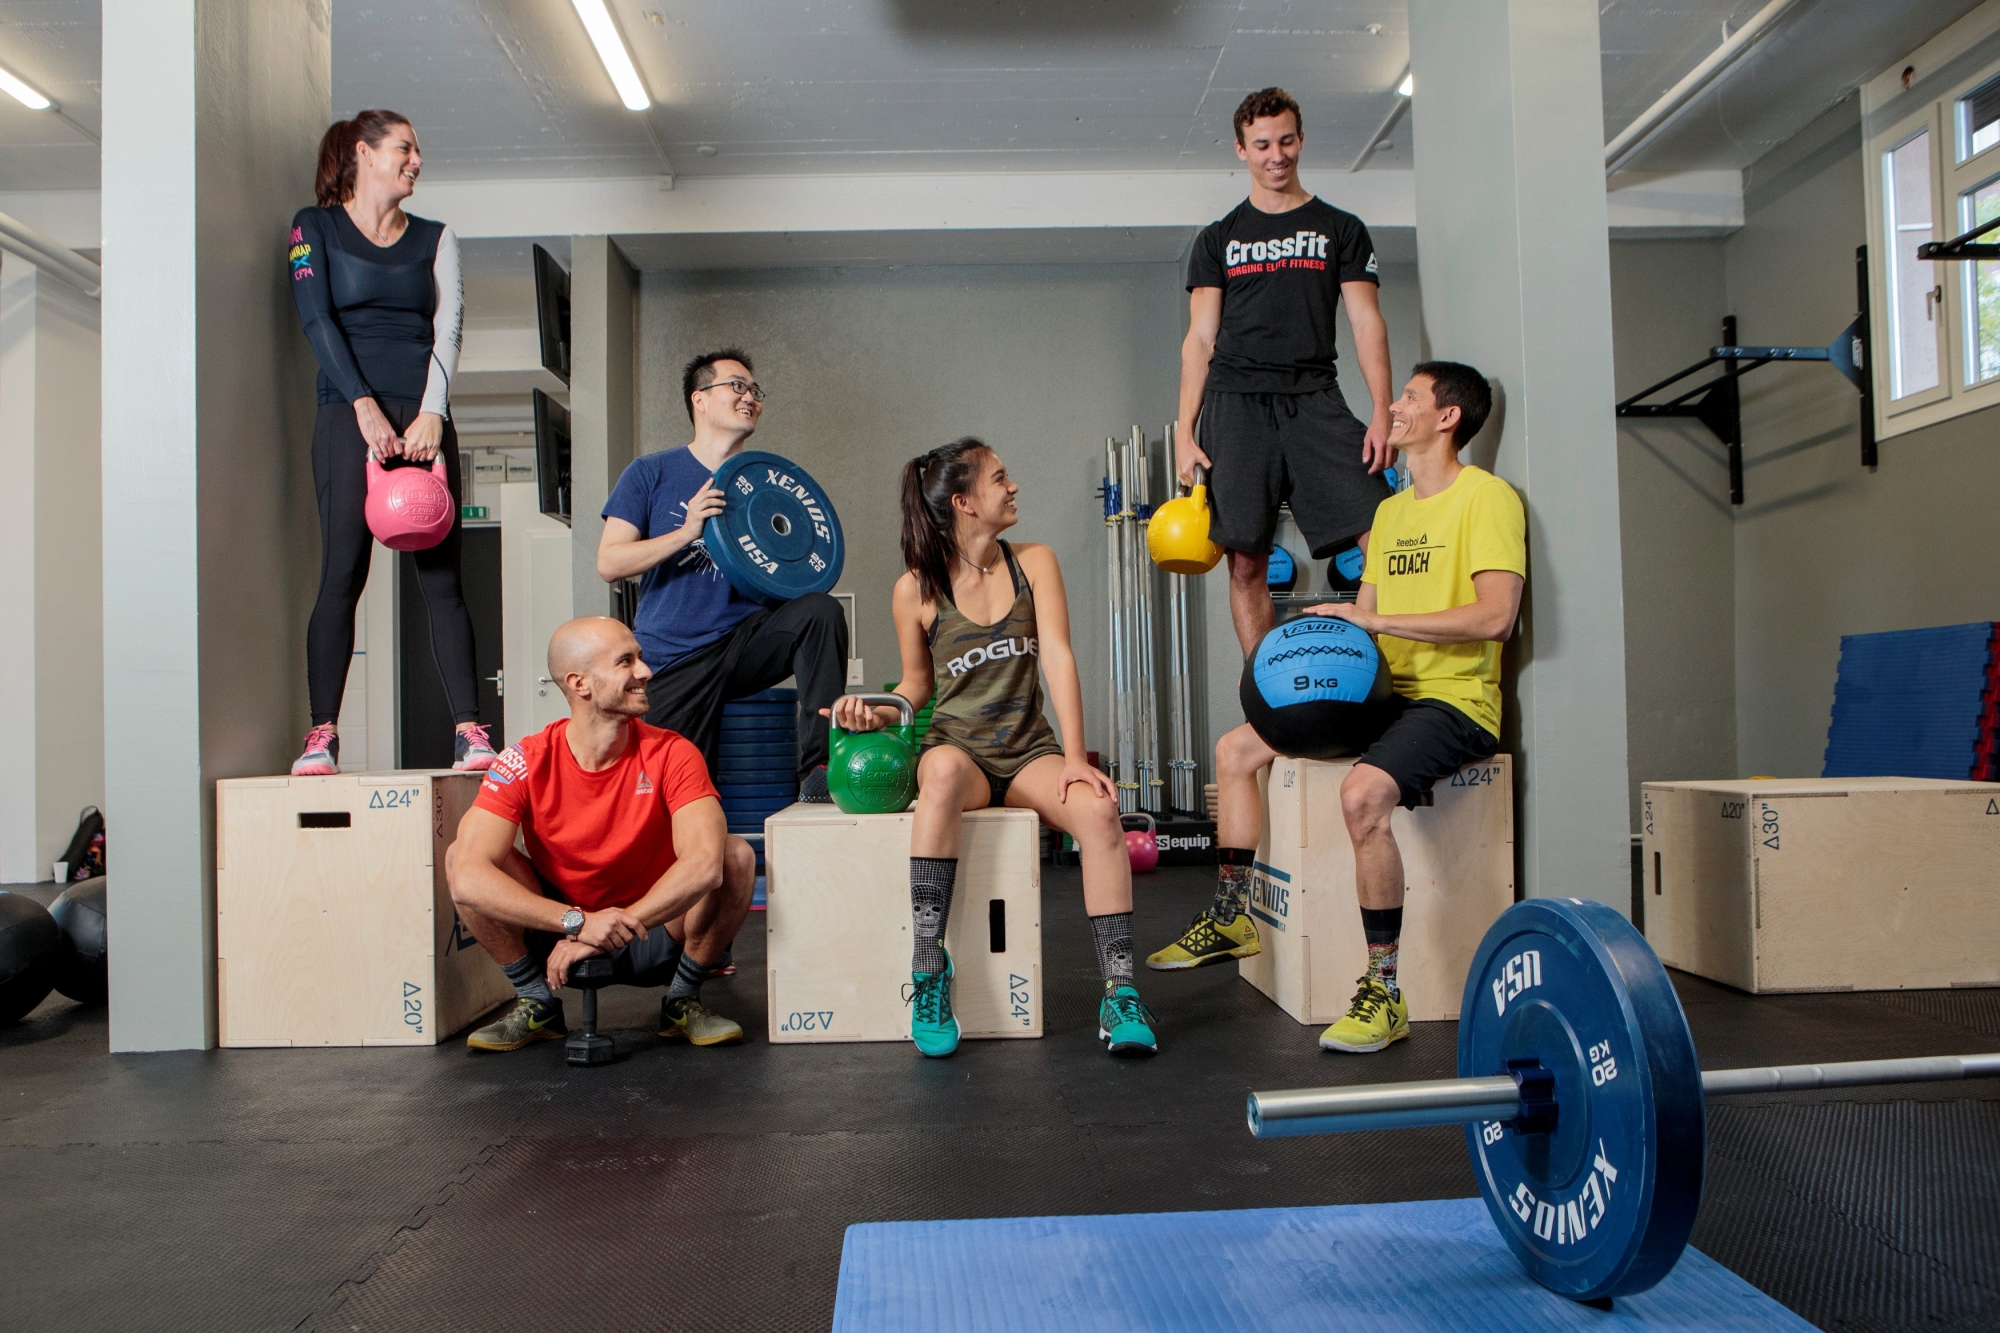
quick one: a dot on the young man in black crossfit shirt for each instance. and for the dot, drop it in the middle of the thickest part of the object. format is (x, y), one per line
(1260, 404)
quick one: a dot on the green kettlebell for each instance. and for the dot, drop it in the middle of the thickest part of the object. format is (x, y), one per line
(875, 772)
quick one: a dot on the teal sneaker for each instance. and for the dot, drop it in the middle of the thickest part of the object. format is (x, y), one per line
(933, 1026)
(1125, 1024)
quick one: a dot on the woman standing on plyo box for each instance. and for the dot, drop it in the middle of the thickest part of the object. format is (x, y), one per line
(979, 620)
(379, 293)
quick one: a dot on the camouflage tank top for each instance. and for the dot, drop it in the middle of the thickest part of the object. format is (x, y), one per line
(989, 684)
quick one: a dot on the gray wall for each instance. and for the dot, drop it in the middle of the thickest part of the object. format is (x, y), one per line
(869, 367)
(1734, 616)
(1824, 548)
(1667, 304)
(1042, 361)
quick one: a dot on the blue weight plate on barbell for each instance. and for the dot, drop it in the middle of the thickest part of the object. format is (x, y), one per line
(777, 536)
(760, 791)
(728, 776)
(762, 730)
(763, 755)
(1602, 1205)
(759, 708)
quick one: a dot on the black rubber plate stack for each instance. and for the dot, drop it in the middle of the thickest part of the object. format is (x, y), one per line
(756, 769)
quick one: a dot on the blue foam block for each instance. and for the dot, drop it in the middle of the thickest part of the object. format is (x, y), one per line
(1907, 703)
(1438, 1266)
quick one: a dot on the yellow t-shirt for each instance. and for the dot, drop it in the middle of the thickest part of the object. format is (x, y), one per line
(1422, 555)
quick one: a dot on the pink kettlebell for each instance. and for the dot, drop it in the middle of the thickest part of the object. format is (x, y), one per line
(1142, 846)
(409, 509)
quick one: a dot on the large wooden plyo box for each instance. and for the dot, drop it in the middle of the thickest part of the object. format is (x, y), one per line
(1458, 868)
(334, 926)
(1822, 884)
(837, 925)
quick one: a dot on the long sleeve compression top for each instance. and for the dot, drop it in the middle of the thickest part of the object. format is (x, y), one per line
(384, 321)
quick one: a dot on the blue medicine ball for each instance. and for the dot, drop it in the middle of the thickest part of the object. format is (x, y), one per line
(1282, 572)
(1314, 689)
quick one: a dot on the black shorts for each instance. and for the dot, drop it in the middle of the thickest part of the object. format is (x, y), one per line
(649, 960)
(1424, 741)
(1268, 448)
(996, 783)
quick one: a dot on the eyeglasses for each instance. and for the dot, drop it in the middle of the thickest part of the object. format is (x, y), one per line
(737, 387)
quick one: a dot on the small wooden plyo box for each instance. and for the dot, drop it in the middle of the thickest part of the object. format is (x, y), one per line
(1824, 884)
(1458, 869)
(333, 924)
(837, 925)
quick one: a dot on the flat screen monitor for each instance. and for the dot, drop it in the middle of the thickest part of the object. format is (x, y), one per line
(552, 455)
(552, 313)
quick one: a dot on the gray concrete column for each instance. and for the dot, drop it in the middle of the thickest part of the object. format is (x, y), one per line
(603, 309)
(213, 110)
(51, 576)
(1515, 260)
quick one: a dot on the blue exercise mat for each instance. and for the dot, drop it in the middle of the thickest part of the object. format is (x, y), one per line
(1907, 703)
(1436, 1266)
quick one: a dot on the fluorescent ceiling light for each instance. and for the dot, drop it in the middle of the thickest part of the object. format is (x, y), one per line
(1408, 85)
(22, 93)
(611, 50)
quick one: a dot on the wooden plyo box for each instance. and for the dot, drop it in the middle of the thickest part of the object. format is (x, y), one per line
(1458, 867)
(334, 926)
(1824, 884)
(837, 925)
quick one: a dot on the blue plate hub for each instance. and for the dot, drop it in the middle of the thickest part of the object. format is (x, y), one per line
(777, 537)
(1602, 1203)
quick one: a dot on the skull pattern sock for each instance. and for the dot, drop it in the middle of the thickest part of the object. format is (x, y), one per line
(1113, 931)
(932, 879)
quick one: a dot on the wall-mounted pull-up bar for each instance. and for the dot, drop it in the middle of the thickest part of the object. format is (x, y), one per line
(1717, 403)
(1962, 247)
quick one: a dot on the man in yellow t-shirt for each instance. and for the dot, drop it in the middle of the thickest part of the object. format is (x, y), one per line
(1447, 560)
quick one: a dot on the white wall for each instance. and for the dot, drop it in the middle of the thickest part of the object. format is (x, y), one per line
(51, 569)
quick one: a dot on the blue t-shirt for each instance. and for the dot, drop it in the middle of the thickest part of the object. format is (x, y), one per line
(684, 602)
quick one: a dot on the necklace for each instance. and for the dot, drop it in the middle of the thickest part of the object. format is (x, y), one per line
(984, 569)
(380, 238)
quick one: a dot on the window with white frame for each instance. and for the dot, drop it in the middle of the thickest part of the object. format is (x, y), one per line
(1931, 166)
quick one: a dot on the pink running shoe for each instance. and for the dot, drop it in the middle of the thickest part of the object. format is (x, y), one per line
(322, 756)
(472, 751)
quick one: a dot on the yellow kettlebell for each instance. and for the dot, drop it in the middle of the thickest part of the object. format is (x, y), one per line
(1177, 537)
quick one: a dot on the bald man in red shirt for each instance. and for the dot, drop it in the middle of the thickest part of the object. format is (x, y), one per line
(628, 852)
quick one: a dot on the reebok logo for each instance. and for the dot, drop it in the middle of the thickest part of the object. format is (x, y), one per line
(645, 787)
(994, 652)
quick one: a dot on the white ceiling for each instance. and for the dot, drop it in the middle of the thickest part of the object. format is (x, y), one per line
(511, 88)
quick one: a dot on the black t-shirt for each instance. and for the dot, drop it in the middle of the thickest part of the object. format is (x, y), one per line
(1280, 275)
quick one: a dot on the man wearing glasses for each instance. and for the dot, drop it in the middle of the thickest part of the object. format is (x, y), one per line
(704, 641)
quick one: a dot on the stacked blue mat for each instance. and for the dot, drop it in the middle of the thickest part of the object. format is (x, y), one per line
(756, 769)
(1915, 703)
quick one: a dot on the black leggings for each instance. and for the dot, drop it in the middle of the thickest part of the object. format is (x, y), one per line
(340, 479)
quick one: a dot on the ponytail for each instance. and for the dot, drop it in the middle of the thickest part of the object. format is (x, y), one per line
(930, 527)
(333, 182)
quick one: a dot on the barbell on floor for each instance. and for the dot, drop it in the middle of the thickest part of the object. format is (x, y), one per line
(1584, 1107)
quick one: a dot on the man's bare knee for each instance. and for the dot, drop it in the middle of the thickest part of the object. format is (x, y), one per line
(1367, 801)
(1241, 751)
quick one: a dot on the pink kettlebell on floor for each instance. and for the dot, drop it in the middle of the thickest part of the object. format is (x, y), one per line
(1142, 845)
(409, 508)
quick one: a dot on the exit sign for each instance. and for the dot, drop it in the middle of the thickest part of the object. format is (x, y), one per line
(470, 512)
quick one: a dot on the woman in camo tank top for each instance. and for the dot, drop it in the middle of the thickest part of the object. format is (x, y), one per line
(980, 621)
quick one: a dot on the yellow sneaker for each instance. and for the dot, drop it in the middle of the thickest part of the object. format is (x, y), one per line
(1372, 1021)
(1206, 942)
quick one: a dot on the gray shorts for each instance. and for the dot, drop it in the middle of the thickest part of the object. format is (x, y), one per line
(649, 960)
(1269, 448)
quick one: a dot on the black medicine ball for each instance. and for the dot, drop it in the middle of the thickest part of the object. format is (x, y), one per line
(1314, 689)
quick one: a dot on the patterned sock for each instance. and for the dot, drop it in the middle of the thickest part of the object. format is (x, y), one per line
(688, 976)
(1232, 884)
(932, 879)
(531, 980)
(1114, 947)
(1383, 927)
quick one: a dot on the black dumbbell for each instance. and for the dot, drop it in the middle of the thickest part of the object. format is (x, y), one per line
(590, 1047)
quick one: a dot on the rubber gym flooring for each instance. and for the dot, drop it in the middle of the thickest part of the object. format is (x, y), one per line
(684, 1189)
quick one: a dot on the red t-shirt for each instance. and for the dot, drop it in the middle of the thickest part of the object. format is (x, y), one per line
(602, 839)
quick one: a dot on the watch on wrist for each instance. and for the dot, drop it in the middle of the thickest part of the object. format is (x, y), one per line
(572, 922)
